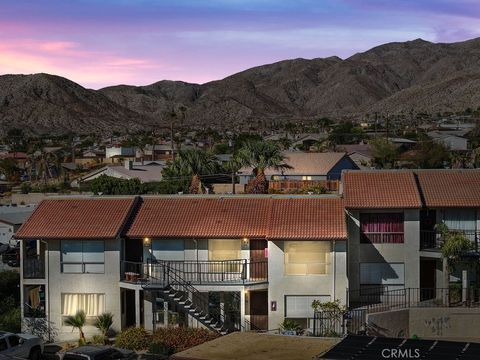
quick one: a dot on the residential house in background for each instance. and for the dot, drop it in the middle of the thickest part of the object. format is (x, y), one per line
(361, 154)
(152, 171)
(306, 166)
(11, 218)
(119, 154)
(451, 139)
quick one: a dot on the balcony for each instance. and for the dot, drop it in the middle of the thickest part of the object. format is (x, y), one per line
(34, 267)
(240, 271)
(432, 240)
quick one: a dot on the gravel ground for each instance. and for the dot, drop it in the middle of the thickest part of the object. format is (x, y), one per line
(248, 346)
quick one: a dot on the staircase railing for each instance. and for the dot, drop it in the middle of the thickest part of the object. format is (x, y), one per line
(185, 291)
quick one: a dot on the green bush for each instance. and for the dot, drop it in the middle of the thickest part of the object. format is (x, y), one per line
(133, 339)
(11, 320)
(176, 339)
(98, 340)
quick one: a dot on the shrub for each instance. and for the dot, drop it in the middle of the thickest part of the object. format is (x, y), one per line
(175, 339)
(103, 323)
(98, 340)
(133, 339)
(291, 325)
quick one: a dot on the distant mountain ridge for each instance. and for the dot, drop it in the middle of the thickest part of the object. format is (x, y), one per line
(397, 77)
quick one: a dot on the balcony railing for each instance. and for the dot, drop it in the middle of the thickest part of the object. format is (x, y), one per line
(197, 272)
(34, 268)
(432, 239)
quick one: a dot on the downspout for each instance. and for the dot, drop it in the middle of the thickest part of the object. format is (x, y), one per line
(334, 270)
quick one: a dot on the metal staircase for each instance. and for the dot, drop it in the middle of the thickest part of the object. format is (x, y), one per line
(176, 290)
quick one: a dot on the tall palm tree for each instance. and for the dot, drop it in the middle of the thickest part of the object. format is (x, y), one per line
(77, 321)
(261, 155)
(194, 163)
(233, 166)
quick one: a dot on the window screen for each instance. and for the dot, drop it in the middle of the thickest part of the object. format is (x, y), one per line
(382, 273)
(300, 306)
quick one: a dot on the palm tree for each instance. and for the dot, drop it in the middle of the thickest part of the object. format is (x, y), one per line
(103, 323)
(233, 166)
(194, 163)
(261, 155)
(77, 321)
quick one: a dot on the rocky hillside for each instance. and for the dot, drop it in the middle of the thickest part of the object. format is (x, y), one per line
(392, 78)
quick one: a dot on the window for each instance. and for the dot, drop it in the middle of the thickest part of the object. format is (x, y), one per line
(92, 304)
(87, 256)
(378, 228)
(307, 257)
(219, 250)
(382, 274)
(224, 249)
(300, 306)
(306, 178)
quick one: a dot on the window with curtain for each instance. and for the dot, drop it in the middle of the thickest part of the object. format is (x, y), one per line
(307, 257)
(219, 250)
(87, 256)
(92, 304)
(224, 249)
(381, 228)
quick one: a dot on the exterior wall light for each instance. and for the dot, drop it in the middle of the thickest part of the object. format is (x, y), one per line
(147, 242)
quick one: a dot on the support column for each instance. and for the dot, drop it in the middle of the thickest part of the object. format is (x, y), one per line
(242, 308)
(137, 307)
(165, 313)
(464, 286)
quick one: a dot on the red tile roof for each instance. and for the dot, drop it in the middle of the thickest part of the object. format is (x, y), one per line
(307, 219)
(240, 217)
(380, 190)
(77, 219)
(450, 188)
(201, 218)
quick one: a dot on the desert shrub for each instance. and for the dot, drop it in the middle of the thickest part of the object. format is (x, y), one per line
(98, 340)
(133, 339)
(175, 339)
(291, 325)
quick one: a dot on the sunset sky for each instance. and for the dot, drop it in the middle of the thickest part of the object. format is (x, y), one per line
(105, 42)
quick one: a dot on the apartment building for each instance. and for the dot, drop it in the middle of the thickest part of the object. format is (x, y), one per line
(226, 263)
(392, 218)
(243, 262)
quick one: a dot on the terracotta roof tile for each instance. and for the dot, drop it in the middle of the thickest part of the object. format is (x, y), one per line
(450, 188)
(307, 219)
(201, 217)
(77, 219)
(380, 190)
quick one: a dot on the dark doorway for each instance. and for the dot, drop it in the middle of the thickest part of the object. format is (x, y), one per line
(428, 269)
(259, 309)
(129, 308)
(258, 259)
(134, 250)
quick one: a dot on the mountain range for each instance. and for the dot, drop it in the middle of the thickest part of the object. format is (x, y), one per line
(416, 75)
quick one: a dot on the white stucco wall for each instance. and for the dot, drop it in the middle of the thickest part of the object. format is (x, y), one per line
(281, 285)
(106, 283)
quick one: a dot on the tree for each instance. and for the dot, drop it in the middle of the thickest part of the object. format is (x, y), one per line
(107, 185)
(233, 166)
(140, 141)
(347, 133)
(261, 155)
(458, 249)
(9, 169)
(103, 323)
(384, 153)
(430, 155)
(77, 321)
(324, 124)
(193, 163)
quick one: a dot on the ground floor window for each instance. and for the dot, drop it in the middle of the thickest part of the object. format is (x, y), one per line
(307, 257)
(300, 306)
(381, 274)
(92, 304)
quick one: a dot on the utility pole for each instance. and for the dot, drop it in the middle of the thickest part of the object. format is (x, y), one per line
(171, 139)
(388, 127)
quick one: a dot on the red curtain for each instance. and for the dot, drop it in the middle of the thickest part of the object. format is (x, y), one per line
(382, 227)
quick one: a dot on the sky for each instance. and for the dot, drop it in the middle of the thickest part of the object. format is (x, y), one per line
(99, 43)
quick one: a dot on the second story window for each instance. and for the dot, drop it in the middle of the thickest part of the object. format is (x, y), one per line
(83, 256)
(381, 228)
